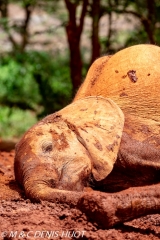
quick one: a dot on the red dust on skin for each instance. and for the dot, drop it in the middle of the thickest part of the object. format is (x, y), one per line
(98, 71)
(124, 76)
(98, 146)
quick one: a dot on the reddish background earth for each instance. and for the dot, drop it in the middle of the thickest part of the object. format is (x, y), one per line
(45, 220)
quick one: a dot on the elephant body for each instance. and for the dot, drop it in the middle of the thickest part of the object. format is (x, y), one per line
(108, 139)
(131, 78)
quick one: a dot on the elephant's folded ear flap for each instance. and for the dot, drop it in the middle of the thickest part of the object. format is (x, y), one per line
(102, 132)
(99, 124)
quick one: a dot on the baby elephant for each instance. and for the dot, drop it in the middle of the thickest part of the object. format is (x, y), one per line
(107, 139)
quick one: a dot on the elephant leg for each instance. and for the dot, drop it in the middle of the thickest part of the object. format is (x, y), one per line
(108, 209)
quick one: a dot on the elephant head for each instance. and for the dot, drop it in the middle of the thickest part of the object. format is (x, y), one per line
(64, 150)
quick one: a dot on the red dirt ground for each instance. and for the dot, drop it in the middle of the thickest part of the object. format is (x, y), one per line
(21, 219)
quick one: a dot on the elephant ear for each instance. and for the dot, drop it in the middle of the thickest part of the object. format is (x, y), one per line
(98, 123)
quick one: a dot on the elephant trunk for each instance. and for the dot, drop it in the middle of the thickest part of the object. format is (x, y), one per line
(38, 190)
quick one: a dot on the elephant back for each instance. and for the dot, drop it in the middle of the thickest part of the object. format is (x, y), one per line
(131, 78)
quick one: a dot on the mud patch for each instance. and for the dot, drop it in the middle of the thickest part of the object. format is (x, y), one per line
(98, 145)
(60, 141)
(132, 76)
(123, 94)
(124, 76)
(110, 147)
(98, 71)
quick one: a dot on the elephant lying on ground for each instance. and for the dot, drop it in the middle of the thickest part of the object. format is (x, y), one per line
(107, 139)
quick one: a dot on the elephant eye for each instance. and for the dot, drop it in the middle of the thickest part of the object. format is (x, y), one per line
(47, 146)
